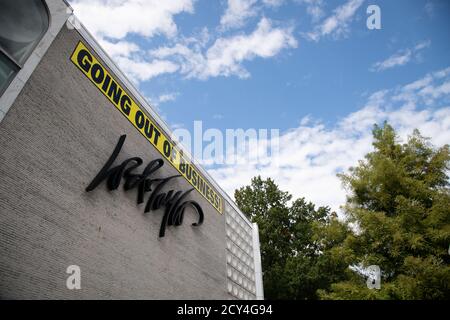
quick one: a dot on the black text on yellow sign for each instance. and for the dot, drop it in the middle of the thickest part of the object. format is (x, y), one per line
(104, 81)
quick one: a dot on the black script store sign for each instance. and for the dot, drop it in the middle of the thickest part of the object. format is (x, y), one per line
(175, 203)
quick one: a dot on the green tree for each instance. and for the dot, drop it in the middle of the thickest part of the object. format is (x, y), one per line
(296, 239)
(399, 206)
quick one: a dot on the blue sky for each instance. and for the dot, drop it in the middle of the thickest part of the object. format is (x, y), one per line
(310, 68)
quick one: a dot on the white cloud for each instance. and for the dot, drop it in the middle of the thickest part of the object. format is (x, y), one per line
(314, 8)
(168, 97)
(427, 91)
(226, 55)
(117, 18)
(430, 9)
(338, 23)
(156, 100)
(237, 12)
(119, 48)
(310, 155)
(141, 70)
(130, 58)
(273, 3)
(400, 58)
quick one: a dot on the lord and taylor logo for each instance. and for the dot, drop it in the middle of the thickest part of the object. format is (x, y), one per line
(174, 202)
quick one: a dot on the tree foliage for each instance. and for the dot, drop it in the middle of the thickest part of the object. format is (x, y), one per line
(399, 203)
(397, 217)
(291, 241)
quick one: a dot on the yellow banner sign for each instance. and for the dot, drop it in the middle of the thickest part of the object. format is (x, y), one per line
(111, 89)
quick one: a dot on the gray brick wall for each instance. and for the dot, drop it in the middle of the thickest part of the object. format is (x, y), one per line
(53, 141)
